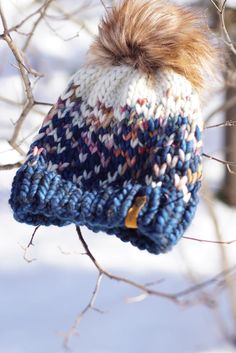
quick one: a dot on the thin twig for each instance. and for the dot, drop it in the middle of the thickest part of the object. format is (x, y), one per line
(211, 241)
(119, 278)
(11, 166)
(25, 78)
(103, 4)
(22, 22)
(42, 13)
(229, 42)
(225, 261)
(24, 70)
(221, 11)
(90, 306)
(70, 16)
(43, 103)
(10, 101)
(29, 245)
(227, 163)
(175, 297)
(216, 6)
(58, 35)
(228, 123)
(231, 171)
(4, 22)
(214, 280)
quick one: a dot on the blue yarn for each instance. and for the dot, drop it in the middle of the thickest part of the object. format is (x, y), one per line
(59, 202)
(74, 174)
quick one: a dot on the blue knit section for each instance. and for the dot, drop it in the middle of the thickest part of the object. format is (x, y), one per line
(154, 146)
(88, 167)
(40, 197)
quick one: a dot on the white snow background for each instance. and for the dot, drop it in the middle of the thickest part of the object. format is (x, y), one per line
(39, 301)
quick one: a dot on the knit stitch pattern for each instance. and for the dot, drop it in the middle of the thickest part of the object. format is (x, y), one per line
(115, 135)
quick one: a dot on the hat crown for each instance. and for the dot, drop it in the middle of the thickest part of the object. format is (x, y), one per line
(119, 86)
(114, 125)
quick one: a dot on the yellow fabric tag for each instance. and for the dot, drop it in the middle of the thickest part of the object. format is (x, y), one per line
(132, 216)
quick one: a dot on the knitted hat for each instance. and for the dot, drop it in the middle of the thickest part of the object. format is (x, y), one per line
(120, 152)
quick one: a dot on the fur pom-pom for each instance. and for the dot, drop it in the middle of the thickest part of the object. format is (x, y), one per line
(153, 34)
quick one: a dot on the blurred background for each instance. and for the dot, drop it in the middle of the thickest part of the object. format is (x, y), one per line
(43, 289)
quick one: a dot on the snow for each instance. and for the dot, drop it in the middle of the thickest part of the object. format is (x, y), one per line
(40, 300)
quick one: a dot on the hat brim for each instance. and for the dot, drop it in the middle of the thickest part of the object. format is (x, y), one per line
(42, 197)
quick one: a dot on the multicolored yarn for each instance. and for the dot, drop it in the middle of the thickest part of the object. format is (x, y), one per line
(113, 137)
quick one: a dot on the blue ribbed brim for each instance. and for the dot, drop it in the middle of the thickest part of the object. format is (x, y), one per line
(43, 197)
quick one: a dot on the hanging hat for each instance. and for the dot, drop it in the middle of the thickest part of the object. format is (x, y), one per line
(120, 152)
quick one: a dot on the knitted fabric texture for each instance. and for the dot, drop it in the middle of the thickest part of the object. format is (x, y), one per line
(115, 137)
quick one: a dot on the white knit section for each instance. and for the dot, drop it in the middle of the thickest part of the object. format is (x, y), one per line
(167, 94)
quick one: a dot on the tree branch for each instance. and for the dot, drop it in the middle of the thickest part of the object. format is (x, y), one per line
(24, 71)
(229, 242)
(175, 297)
(90, 306)
(29, 245)
(221, 161)
(11, 166)
(119, 278)
(42, 12)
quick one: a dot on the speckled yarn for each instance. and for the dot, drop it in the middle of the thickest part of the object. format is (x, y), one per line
(115, 135)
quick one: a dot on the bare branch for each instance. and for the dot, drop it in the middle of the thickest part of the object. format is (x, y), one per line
(42, 12)
(70, 16)
(24, 70)
(27, 18)
(216, 6)
(231, 171)
(58, 35)
(90, 306)
(29, 94)
(224, 259)
(103, 4)
(29, 245)
(43, 103)
(211, 241)
(13, 102)
(75, 13)
(175, 297)
(11, 166)
(10, 101)
(4, 22)
(214, 280)
(221, 11)
(227, 163)
(229, 42)
(122, 279)
(228, 123)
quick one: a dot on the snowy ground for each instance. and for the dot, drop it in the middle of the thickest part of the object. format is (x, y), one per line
(40, 300)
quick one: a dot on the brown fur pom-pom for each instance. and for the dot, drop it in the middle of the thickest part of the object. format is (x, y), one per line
(153, 34)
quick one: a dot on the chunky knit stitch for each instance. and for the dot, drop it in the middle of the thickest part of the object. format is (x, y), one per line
(120, 152)
(116, 136)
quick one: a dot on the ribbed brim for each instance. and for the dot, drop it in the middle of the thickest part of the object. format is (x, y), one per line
(43, 197)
